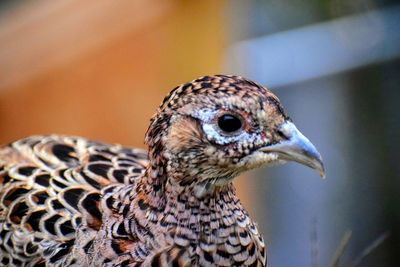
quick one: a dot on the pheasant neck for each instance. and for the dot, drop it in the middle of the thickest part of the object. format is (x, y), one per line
(160, 190)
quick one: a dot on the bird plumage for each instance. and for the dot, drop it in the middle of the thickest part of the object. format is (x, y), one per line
(68, 201)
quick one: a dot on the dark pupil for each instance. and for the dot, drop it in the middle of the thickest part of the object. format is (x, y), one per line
(229, 123)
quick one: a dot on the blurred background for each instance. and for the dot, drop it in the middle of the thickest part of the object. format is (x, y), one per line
(100, 68)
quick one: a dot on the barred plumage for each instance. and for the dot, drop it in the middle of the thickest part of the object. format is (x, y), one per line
(68, 201)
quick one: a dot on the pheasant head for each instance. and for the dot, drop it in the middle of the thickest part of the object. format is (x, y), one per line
(210, 130)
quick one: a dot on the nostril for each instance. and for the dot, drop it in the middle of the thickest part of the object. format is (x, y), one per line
(281, 134)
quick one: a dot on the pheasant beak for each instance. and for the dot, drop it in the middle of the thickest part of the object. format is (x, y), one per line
(297, 148)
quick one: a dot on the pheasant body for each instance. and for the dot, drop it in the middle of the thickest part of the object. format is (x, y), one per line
(68, 201)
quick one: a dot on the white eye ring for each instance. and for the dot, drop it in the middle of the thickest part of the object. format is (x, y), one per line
(209, 121)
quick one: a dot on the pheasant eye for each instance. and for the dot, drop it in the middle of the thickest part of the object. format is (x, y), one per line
(229, 123)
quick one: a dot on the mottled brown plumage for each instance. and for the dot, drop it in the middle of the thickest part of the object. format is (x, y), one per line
(68, 201)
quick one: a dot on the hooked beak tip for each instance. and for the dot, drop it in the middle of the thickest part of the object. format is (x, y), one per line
(321, 169)
(297, 148)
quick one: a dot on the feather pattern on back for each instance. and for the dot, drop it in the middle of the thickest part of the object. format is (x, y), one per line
(51, 188)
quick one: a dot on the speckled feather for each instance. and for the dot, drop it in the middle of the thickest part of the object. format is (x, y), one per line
(68, 201)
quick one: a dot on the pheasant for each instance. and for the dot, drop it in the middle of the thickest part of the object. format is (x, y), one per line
(69, 201)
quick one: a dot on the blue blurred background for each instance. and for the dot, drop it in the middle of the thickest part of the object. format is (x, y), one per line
(99, 69)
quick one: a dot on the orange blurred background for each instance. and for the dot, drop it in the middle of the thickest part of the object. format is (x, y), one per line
(100, 68)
